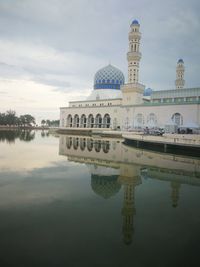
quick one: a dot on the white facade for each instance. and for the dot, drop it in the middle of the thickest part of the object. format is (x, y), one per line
(115, 105)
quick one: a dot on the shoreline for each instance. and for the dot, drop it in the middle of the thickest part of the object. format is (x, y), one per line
(3, 128)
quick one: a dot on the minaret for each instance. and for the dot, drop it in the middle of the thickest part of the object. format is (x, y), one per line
(132, 92)
(180, 69)
(134, 55)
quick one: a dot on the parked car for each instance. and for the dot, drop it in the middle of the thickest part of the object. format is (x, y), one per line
(154, 131)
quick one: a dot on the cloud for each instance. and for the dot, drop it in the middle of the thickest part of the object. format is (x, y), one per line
(61, 44)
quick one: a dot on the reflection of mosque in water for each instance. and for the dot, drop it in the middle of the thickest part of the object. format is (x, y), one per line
(114, 165)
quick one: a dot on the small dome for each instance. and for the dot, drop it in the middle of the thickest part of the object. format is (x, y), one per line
(135, 22)
(180, 60)
(105, 186)
(147, 92)
(108, 77)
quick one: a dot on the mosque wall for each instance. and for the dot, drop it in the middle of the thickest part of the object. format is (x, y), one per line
(95, 103)
(91, 117)
(129, 117)
(152, 116)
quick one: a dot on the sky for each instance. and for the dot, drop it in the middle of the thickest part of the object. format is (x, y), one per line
(51, 49)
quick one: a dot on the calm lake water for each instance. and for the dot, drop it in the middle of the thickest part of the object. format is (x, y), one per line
(71, 201)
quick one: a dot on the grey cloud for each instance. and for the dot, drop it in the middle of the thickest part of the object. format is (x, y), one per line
(59, 84)
(12, 71)
(170, 29)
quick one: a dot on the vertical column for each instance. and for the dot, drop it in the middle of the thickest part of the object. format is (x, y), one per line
(128, 212)
(180, 69)
(175, 186)
(134, 55)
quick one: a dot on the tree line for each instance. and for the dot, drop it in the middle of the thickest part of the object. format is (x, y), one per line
(50, 123)
(10, 118)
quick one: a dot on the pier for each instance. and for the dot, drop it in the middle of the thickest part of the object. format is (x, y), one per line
(185, 142)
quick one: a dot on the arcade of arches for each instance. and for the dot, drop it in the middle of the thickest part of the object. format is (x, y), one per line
(82, 121)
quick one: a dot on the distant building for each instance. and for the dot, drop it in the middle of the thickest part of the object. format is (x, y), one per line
(118, 105)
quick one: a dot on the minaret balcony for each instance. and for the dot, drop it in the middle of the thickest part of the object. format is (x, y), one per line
(134, 35)
(134, 56)
(133, 87)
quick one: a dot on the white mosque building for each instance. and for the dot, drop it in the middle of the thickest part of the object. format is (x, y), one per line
(115, 104)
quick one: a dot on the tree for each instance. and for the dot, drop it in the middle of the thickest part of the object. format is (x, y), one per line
(22, 120)
(48, 122)
(26, 120)
(43, 122)
(29, 119)
(11, 117)
(2, 119)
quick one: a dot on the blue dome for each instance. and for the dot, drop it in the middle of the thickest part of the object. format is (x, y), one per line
(135, 22)
(180, 60)
(108, 77)
(147, 92)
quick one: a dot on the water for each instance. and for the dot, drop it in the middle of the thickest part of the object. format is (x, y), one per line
(70, 201)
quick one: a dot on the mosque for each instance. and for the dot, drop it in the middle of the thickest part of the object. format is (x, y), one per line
(115, 104)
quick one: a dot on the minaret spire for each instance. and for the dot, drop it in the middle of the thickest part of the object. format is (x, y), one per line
(134, 55)
(180, 69)
(132, 91)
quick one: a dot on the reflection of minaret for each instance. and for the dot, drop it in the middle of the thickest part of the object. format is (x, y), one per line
(128, 210)
(175, 193)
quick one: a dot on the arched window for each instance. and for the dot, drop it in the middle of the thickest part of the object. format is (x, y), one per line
(177, 118)
(151, 120)
(76, 121)
(139, 120)
(69, 120)
(83, 123)
(106, 121)
(98, 121)
(90, 121)
(135, 47)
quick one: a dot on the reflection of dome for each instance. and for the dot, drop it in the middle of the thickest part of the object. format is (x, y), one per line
(108, 77)
(105, 186)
